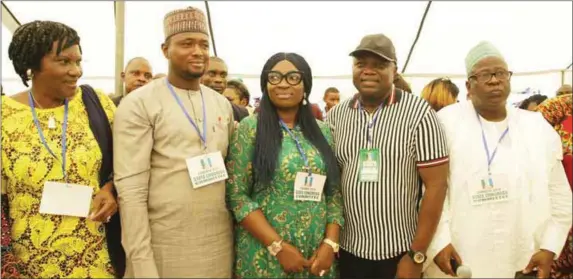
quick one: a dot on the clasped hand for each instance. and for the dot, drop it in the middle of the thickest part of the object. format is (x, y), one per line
(292, 260)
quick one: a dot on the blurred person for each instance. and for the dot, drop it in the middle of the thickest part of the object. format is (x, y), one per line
(508, 207)
(388, 142)
(565, 89)
(286, 229)
(331, 98)
(137, 73)
(216, 78)
(532, 102)
(160, 75)
(316, 111)
(440, 92)
(171, 139)
(558, 112)
(402, 84)
(57, 147)
(238, 94)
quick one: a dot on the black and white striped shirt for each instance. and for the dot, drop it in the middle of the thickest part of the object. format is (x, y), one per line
(381, 217)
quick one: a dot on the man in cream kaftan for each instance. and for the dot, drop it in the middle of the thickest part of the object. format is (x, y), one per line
(172, 227)
(497, 230)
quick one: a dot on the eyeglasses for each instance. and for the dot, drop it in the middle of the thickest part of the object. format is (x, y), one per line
(292, 77)
(486, 77)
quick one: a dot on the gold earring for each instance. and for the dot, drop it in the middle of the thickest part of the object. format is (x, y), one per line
(29, 74)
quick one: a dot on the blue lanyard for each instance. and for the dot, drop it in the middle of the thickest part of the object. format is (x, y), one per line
(490, 157)
(41, 133)
(203, 136)
(298, 146)
(371, 123)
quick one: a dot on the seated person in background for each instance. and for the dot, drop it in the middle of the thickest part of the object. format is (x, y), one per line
(238, 94)
(216, 78)
(564, 90)
(440, 92)
(137, 73)
(532, 102)
(402, 84)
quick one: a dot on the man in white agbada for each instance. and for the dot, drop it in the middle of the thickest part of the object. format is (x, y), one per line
(508, 207)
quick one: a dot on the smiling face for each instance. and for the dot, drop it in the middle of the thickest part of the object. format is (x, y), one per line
(188, 54)
(372, 75)
(487, 91)
(59, 73)
(285, 86)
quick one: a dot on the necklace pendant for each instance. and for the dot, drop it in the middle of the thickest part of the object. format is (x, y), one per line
(51, 123)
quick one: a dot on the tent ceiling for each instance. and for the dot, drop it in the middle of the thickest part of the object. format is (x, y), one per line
(534, 36)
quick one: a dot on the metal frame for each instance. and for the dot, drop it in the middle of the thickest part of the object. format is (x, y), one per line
(8, 19)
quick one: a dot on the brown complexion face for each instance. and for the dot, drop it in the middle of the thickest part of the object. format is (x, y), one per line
(233, 96)
(216, 76)
(59, 74)
(331, 99)
(284, 95)
(137, 74)
(372, 75)
(492, 94)
(188, 54)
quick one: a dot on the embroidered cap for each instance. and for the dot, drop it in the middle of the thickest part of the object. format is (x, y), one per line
(184, 20)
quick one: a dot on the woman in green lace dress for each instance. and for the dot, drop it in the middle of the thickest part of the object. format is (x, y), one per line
(288, 216)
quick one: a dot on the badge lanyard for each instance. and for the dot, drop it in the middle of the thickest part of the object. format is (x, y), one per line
(371, 122)
(203, 136)
(492, 156)
(41, 133)
(300, 150)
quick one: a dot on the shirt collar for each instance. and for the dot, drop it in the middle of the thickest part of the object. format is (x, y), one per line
(391, 99)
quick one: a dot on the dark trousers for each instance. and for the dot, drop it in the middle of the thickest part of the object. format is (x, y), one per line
(352, 267)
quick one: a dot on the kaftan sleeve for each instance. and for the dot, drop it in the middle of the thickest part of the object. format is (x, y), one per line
(240, 170)
(133, 142)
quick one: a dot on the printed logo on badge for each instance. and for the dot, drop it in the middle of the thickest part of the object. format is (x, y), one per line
(206, 169)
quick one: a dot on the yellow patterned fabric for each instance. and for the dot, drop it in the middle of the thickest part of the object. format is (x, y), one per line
(52, 246)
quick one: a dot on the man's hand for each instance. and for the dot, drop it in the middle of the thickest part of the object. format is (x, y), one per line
(541, 260)
(443, 258)
(408, 269)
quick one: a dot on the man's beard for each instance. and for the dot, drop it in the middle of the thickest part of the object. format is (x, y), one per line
(191, 75)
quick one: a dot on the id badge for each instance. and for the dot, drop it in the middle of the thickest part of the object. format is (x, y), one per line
(308, 187)
(489, 189)
(369, 165)
(206, 169)
(66, 199)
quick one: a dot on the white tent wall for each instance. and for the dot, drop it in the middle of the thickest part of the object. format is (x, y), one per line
(534, 36)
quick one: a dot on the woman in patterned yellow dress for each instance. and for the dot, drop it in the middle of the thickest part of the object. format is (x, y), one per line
(53, 246)
(269, 153)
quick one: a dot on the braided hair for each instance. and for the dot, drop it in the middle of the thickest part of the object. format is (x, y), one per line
(34, 40)
(269, 136)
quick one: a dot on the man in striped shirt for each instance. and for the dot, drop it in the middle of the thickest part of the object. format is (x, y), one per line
(387, 143)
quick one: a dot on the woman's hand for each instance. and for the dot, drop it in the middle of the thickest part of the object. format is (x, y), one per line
(322, 260)
(291, 259)
(104, 205)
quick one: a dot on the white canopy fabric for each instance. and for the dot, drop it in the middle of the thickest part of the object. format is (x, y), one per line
(534, 37)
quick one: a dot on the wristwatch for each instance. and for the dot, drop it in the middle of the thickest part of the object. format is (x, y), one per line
(275, 247)
(335, 246)
(417, 256)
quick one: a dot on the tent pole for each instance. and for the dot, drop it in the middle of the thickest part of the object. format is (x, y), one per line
(119, 45)
(562, 77)
(8, 19)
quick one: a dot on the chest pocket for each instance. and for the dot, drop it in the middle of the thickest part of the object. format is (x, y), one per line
(220, 133)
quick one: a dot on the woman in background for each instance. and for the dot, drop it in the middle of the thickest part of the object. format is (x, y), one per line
(532, 102)
(288, 216)
(440, 93)
(47, 136)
